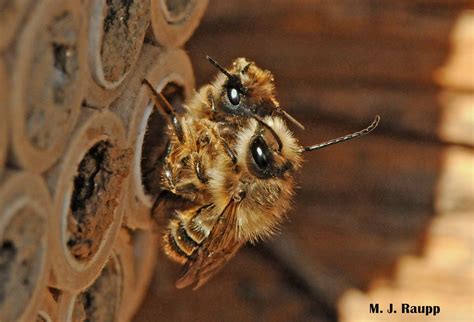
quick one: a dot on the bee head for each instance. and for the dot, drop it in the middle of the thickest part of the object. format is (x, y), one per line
(245, 89)
(269, 149)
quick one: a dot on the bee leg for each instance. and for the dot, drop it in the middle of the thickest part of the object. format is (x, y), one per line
(168, 176)
(227, 148)
(166, 108)
(165, 206)
(187, 188)
(229, 152)
(152, 172)
(200, 172)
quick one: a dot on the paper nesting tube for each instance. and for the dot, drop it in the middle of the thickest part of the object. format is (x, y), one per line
(48, 308)
(125, 255)
(11, 14)
(47, 83)
(100, 301)
(170, 66)
(173, 22)
(25, 207)
(88, 186)
(145, 245)
(116, 33)
(66, 301)
(4, 89)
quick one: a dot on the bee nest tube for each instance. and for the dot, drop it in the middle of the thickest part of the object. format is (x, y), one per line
(98, 302)
(48, 309)
(47, 67)
(79, 120)
(115, 35)
(145, 133)
(3, 110)
(125, 255)
(173, 22)
(24, 263)
(11, 13)
(87, 215)
(144, 247)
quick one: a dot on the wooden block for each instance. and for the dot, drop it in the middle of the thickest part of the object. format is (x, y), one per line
(365, 205)
(379, 170)
(357, 62)
(436, 23)
(444, 116)
(457, 120)
(455, 188)
(442, 275)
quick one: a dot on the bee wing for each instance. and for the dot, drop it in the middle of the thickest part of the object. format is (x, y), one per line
(220, 246)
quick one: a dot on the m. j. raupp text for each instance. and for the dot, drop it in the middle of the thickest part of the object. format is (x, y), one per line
(405, 308)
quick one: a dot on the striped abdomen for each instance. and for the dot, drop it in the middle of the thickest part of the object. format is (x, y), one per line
(182, 240)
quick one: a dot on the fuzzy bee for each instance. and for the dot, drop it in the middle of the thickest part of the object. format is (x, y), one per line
(228, 173)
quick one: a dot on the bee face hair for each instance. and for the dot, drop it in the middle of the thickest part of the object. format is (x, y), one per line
(269, 183)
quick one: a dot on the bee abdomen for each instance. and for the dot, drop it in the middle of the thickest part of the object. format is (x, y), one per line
(179, 245)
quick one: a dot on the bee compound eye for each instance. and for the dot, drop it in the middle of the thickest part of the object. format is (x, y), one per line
(233, 95)
(261, 154)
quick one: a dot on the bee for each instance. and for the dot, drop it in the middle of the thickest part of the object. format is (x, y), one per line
(229, 171)
(245, 90)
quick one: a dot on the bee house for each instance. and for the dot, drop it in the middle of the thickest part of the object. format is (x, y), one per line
(77, 141)
(384, 219)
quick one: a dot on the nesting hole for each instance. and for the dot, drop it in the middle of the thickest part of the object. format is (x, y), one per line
(124, 26)
(178, 10)
(100, 302)
(21, 261)
(155, 140)
(52, 82)
(94, 200)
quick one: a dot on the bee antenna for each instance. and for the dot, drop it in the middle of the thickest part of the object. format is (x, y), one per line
(219, 67)
(290, 118)
(272, 131)
(160, 101)
(354, 135)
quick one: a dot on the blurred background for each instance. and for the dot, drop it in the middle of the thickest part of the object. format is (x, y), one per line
(384, 219)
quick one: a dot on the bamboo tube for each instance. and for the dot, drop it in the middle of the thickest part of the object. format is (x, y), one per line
(66, 306)
(100, 301)
(47, 83)
(145, 245)
(25, 208)
(114, 53)
(116, 33)
(88, 186)
(11, 15)
(125, 255)
(4, 90)
(173, 22)
(144, 133)
(48, 308)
